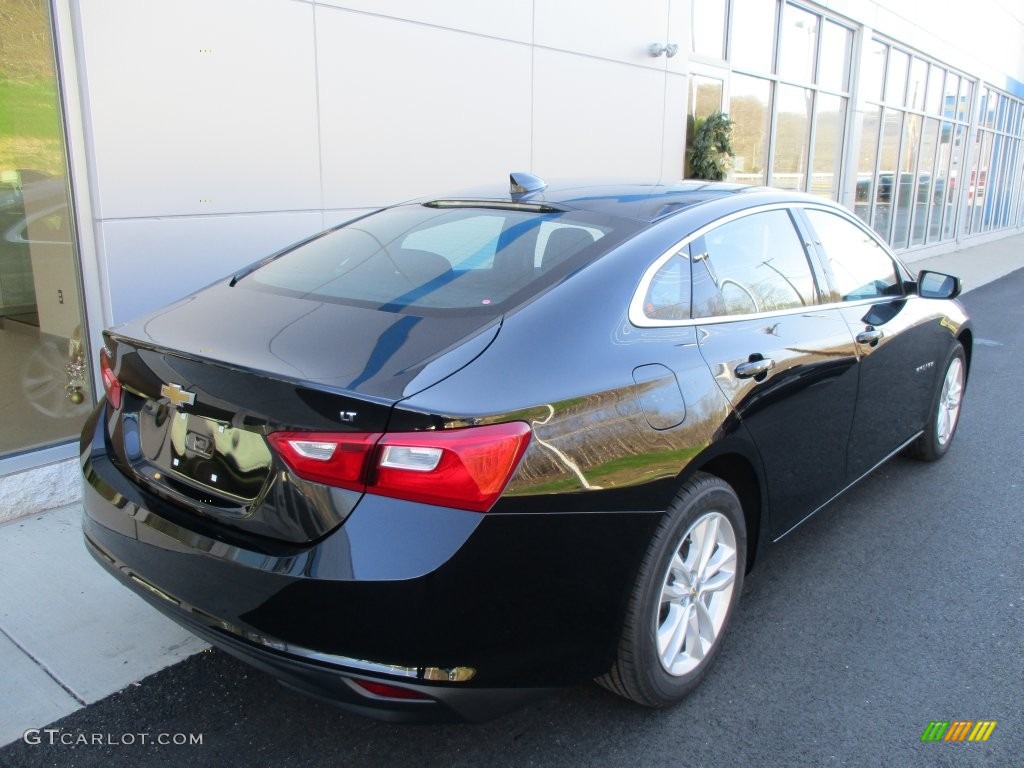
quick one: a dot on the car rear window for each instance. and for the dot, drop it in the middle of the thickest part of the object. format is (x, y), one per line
(442, 258)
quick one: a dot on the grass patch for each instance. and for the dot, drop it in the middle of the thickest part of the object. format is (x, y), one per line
(30, 130)
(29, 108)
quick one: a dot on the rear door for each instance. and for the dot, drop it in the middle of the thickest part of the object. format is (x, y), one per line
(786, 364)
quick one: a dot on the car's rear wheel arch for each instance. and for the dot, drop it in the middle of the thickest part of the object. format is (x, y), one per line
(739, 472)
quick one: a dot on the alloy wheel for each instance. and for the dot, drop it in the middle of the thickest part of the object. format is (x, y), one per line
(696, 594)
(949, 401)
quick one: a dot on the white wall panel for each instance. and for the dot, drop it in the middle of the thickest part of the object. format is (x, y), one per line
(596, 118)
(435, 111)
(675, 127)
(679, 33)
(507, 19)
(610, 29)
(201, 107)
(152, 262)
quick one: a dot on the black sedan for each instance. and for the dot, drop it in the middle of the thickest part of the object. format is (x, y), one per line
(449, 455)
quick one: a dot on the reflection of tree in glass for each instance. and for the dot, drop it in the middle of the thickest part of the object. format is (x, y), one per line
(749, 113)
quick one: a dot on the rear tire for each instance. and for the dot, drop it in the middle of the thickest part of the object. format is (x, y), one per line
(684, 595)
(945, 409)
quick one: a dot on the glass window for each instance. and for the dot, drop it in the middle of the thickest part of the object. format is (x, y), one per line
(792, 134)
(929, 186)
(933, 104)
(988, 108)
(707, 28)
(799, 41)
(996, 181)
(964, 102)
(751, 111)
(947, 179)
(753, 33)
(668, 296)
(1001, 111)
(828, 144)
(860, 268)
(753, 264)
(44, 351)
(705, 96)
(1013, 181)
(873, 70)
(978, 188)
(885, 190)
(438, 258)
(896, 77)
(918, 83)
(949, 98)
(469, 243)
(906, 195)
(557, 241)
(958, 177)
(866, 163)
(834, 64)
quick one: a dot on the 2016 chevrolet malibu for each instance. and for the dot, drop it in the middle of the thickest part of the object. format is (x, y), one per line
(448, 455)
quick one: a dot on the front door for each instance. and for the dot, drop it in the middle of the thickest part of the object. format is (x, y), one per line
(900, 341)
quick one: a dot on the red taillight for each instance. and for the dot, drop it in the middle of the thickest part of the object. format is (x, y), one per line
(110, 383)
(472, 465)
(462, 468)
(326, 457)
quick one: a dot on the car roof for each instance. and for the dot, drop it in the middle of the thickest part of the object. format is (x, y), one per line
(639, 200)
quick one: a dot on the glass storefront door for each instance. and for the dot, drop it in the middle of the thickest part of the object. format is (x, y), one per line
(45, 389)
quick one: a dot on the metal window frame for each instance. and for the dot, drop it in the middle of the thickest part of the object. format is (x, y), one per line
(638, 318)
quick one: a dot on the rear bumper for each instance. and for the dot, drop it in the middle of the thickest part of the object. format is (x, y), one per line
(530, 602)
(329, 678)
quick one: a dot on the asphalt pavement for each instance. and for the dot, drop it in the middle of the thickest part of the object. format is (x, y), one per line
(900, 604)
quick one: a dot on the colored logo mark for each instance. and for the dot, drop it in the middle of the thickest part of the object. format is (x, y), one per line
(958, 730)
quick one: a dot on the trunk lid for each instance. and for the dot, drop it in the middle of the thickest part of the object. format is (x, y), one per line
(206, 379)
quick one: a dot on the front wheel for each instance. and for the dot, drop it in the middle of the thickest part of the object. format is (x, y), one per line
(685, 593)
(945, 410)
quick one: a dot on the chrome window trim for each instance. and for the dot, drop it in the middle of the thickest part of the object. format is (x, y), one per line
(638, 317)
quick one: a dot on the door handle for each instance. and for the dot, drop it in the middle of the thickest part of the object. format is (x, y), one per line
(753, 368)
(869, 335)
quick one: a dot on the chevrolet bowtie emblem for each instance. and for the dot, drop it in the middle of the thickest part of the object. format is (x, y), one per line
(177, 395)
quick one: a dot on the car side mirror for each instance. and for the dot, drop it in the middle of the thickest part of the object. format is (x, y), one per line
(936, 285)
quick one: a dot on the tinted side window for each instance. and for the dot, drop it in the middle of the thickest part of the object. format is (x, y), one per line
(859, 266)
(753, 264)
(668, 296)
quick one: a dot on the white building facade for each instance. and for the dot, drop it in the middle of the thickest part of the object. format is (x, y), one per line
(152, 147)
